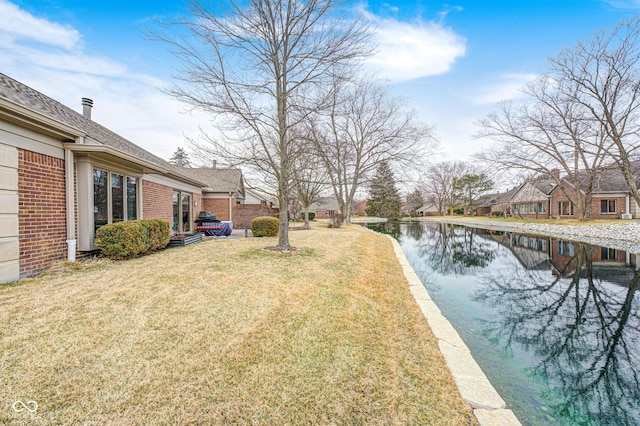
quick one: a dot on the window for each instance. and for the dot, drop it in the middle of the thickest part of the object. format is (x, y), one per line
(542, 207)
(565, 208)
(542, 245)
(132, 204)
(532, 208)
(515, 209)
(109, 202)
(608, 206)
(523, 208)
(565, 248)
(181, 212)
(609, 253)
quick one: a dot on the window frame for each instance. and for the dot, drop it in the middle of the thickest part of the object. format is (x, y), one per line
(607, 202)
(110, 174)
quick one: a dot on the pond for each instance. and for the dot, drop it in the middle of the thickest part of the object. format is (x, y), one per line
(555, 325)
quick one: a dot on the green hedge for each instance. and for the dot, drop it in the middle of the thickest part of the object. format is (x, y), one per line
(312, 215)
(128, 239)
(265, 226)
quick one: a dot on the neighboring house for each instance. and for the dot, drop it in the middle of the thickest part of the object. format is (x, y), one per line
(533, 198)
(428, 209)
(360, 208)
(62, 176)
(497, 202)
(611, 198)
(326, 207)
(226, 196)
(253, 196)
(224, 190)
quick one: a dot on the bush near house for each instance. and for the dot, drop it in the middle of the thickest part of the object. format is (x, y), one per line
(265, 226)
(497, 213)
(312, 215)
(123, 240)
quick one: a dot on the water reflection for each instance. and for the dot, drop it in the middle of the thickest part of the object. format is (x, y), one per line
(566, 310)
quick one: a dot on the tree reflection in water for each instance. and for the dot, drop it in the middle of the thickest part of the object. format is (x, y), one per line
(566, 304)
(583, 329)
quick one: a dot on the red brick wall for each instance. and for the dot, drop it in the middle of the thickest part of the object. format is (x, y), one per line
(42, 217)
(559, 196)
(218, 206)
(157, 201)
(243, 214)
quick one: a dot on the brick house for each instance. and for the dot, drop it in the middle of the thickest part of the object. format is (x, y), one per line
(226, 196)
(62, 176)
(611, 198)
(532, 199)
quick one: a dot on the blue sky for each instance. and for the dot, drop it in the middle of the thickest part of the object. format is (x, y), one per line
(453, 60)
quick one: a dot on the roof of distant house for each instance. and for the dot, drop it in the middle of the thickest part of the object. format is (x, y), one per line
(30, 98)
(218, 180)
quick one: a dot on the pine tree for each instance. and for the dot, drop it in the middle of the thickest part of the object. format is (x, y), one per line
(180, 158)
(415, 200)
(384, 198)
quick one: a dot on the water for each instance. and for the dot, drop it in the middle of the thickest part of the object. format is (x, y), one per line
(555, 325)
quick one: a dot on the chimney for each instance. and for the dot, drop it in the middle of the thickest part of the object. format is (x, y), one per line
(215, 163)
(555, 173)
(87, 104)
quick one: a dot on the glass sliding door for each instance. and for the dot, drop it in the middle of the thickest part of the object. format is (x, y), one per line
(186, 212)
(176, 212)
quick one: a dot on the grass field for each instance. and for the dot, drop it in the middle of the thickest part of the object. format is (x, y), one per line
(221, 333)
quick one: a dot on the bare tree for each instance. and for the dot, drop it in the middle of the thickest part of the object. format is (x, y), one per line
(259, 68)
(362, 127)
(580, 116)
(605, 78)
(438, 184)
(546, 134)
(310, 179)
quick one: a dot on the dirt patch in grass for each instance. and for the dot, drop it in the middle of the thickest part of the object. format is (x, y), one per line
(220, 333)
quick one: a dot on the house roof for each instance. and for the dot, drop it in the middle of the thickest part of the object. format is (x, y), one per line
(30, 98)
(495, 198)
(607, 179)
(218, 180)
(328, 203)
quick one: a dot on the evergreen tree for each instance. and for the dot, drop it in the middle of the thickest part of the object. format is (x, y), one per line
(180, 158)
(384, 198)
(415, 200)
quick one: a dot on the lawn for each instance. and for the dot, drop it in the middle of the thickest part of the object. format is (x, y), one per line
(221, 333)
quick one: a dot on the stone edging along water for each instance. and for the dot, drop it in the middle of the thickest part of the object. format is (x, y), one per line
(474, 387)
(623, 236)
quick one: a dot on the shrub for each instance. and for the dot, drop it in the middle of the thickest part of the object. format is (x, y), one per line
(312, 215)
(123, 239)
(265, 226)
(128, 239)
(458, 211)
(159, 233)
(497, 213)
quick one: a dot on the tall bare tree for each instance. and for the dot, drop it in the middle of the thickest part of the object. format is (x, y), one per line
(579, 116)
(438, 183)
(260, 67)
(362, 127)
(605, 79)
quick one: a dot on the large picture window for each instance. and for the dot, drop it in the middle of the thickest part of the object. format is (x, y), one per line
(111, 203)
(608, 206)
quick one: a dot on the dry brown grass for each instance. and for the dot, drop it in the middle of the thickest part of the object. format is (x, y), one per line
(220, 333)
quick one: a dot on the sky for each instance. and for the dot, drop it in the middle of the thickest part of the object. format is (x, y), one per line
(452, 60)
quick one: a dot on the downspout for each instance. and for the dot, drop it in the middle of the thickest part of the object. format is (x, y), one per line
(627, 204)
(230, 207)
(70, 204)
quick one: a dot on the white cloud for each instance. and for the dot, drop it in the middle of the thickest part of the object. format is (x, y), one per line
(16, 24)
(624, 4)
(409, 50)
(510, 87)
(52, 61)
